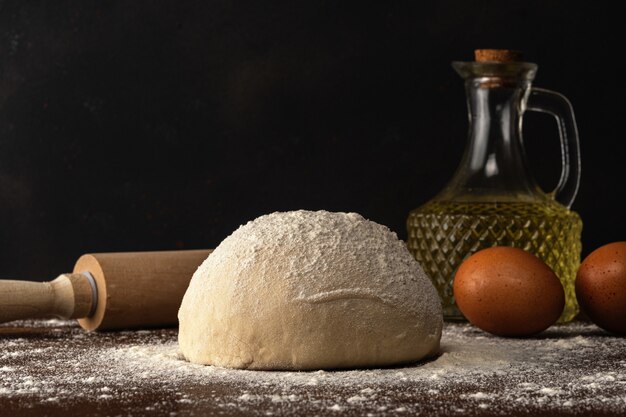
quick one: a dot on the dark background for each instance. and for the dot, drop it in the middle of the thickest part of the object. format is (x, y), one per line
(151, 125)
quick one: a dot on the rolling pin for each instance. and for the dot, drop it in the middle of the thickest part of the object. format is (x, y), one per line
(108, 291)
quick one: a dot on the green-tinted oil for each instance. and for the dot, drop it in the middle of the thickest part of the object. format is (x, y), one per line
(443, 234)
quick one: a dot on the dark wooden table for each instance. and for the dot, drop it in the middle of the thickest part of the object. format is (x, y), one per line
(54, 368)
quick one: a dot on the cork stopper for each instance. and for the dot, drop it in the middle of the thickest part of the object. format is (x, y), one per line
(497, 55)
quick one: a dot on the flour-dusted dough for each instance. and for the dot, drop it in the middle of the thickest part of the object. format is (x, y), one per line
(309, 290)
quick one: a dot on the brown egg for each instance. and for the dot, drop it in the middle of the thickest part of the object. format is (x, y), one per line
(508, 292)
(601, 287)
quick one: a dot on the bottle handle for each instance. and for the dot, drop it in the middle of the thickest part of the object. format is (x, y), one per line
(557, 105)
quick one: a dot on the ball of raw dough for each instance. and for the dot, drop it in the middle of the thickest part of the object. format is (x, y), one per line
(309, 290)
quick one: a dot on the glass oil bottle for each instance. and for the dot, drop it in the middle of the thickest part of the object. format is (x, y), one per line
(492, 199)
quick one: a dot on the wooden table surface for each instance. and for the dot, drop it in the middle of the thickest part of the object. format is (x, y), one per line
(54, 368)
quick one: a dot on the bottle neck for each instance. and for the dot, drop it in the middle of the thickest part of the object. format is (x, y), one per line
(494, 163)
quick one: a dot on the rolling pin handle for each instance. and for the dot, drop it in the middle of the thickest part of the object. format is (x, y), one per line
(68, 296)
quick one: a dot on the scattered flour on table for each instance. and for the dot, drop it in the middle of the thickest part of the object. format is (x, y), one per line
(571, 367)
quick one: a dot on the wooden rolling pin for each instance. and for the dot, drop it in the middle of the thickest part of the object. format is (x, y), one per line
(108, 290)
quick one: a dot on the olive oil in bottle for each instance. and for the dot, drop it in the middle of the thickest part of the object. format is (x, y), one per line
(443, 234)
(492, 199)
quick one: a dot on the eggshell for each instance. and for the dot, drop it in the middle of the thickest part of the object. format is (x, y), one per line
(601, 287)
(508, 292)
